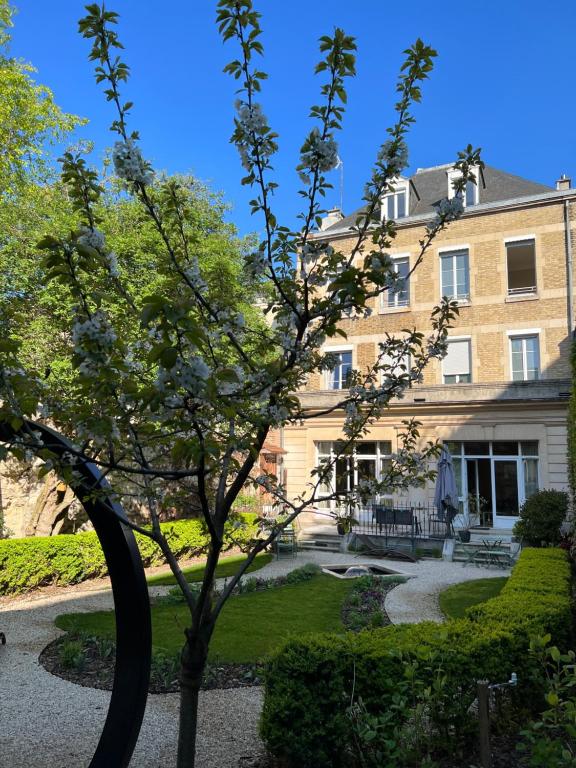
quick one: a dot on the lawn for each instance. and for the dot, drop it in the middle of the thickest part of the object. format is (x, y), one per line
(250, 625)
(456, 599)
(226, 567)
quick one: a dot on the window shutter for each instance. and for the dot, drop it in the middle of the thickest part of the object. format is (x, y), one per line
(457, 361)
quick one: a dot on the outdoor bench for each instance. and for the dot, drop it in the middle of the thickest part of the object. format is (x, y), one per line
(392, 518)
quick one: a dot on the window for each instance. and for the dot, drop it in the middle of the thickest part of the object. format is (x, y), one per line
(339, 377)
(529, 451)
(399, 294)
(456, 364)
(521, 266)
(495, 478)
(454, 274)
(395, 366)
(471, 193)
(525, 354)
(370, 460)
(395, 204)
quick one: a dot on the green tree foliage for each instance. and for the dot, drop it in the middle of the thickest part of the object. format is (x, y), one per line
(36, 312)
(175, 385)
(29, 117)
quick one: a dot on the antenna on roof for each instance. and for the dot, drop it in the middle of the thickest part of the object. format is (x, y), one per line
(340, 164)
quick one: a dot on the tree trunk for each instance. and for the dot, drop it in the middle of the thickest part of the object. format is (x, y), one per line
(193, 661)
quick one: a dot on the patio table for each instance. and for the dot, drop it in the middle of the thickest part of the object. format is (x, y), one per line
(488, 553)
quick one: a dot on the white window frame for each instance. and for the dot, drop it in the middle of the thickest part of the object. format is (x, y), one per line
(523, 334)
(355, 457)
(520, 459)
(400, 185)
(511, 241)
(454, 175)
(450, 340)
(443, 253)
(395, 258)
(328, 374)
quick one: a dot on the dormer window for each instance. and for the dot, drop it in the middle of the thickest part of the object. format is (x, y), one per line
(395, 204)
(470, 195)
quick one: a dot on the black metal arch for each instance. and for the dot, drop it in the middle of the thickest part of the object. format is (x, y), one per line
(131, 606)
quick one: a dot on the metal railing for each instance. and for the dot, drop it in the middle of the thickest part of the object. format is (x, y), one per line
(390, 519)
(521, 291)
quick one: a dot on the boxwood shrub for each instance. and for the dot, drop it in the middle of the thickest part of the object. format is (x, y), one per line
(29, 563)
(541, 518)
(311, 681)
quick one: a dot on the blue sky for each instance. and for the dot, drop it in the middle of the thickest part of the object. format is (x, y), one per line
(502, 81)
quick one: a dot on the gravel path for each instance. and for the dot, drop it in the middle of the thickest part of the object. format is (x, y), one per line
(47, 722)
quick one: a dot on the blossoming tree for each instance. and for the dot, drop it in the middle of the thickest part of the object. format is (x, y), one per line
(181, 405)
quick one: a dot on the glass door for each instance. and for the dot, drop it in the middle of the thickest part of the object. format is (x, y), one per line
(479, 492)
(506, 501)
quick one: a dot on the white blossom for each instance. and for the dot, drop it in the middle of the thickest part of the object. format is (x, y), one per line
(394, 155)
(92, 238)
(251, 118)
(129, 163)
(277, 414)
(94, 330)
(321, 154)
(351, 410)
(112, 263)
(446, 211)
(189, 375)
(194, 276)
(256, 263)
(252, 129)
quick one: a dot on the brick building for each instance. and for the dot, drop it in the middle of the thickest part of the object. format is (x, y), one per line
(499, 397)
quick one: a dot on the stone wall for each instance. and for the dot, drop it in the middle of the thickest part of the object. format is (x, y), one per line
(20, 489)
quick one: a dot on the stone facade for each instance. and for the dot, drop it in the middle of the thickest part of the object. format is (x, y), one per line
(491, 409)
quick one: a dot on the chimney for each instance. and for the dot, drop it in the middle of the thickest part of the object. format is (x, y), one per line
(333, 216)
(564, 182)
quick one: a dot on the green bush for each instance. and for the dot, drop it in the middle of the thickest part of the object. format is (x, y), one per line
(26, 564)
(550, 741)
(310, 683)
(541, 518)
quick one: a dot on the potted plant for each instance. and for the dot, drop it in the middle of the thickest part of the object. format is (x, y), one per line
(344, 523)
(464, 535)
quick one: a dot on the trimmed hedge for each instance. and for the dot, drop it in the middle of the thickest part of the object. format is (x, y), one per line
(26, 564)
(310, 682)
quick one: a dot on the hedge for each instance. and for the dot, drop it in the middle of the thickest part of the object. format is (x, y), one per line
(310, 682)
(26, 564)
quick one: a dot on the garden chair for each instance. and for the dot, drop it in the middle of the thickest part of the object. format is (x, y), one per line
(286, 543)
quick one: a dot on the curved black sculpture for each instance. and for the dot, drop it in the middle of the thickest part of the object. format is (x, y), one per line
(131, 605)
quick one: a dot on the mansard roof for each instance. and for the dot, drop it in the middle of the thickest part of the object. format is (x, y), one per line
(430, 185)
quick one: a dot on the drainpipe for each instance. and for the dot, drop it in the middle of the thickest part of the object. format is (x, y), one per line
(568, 238)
